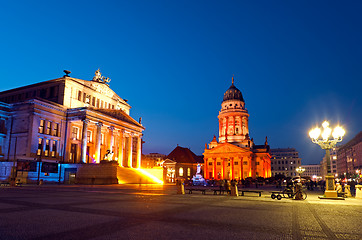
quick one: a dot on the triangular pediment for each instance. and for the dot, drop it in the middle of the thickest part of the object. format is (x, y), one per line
(227, 148)
(102, 88)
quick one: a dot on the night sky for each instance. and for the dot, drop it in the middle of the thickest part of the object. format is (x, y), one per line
(296, 63)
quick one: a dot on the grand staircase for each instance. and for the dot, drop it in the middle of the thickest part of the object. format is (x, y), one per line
(139, 176)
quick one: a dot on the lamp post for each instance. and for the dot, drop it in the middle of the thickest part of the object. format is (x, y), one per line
(324, 140)
(300, 170)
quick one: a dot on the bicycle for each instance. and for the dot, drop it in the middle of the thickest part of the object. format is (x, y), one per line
(289, 193)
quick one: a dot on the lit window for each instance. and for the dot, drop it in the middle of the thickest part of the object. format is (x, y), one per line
(75, 133)
(54, 148)
(55, 129)
(102, 138)
(41, 126)
(40, 147)
(181, 172)
(188, 172)
(47, 147)
(89, 136)
(49, 127)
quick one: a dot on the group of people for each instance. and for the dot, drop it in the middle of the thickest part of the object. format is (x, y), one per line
(341, 188)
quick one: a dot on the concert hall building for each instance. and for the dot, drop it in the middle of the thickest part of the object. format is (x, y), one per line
(67, 120)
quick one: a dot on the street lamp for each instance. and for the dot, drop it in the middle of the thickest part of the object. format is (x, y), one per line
(300, 170)
(327, 140)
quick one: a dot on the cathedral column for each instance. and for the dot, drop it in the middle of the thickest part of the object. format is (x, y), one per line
(234, 129)
(241, 175)
(205, 170)
(130, 143)
(111, 143)
(232, 168)
(227, 129)
(223, 169)
(214, 175)
(121, 148)
(220, 127)
(84, 140)
(139, 151)
(251, 167)
(98, 142)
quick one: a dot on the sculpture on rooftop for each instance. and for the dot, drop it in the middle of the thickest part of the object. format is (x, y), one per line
(99, 78)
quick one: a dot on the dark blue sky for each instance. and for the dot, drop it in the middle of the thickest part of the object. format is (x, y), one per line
(296, 62)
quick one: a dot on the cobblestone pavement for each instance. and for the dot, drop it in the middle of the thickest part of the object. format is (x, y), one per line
(157, 212)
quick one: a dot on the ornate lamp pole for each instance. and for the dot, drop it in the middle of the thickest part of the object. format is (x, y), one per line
(300, 170)
(324, 140)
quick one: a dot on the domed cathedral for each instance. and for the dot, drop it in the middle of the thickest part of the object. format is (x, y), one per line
(233, 118)
(235, 156)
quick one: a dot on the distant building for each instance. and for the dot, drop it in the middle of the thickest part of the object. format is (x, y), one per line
(235, 156)
(349, 156)
(284, 161)
(181, 163)
(313, 171)
(153, 160)
(67, 120)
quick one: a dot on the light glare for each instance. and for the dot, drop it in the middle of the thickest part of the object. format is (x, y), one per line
(326, 133)
(314, 133)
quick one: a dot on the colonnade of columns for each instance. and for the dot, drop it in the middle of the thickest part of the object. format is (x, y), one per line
(238, 125)
(235, 171)
(119, 139)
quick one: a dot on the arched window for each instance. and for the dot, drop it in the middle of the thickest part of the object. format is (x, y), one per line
(180, 171)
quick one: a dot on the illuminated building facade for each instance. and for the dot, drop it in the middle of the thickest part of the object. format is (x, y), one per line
(313, 171)
(349, 157)
(153, 160)
(68, 120)
(234, 155)
(181, 163)
(284, 161)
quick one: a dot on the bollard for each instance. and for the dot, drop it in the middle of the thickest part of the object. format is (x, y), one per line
(234, 189)
(298, 190)
(359, 191)
(347, 191)
(180, 186)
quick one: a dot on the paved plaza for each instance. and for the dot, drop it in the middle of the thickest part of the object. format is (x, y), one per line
(157, 212)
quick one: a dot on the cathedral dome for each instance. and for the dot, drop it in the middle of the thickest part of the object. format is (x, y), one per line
(233, 93)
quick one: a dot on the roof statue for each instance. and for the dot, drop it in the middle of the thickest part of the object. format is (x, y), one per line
(99, 78)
